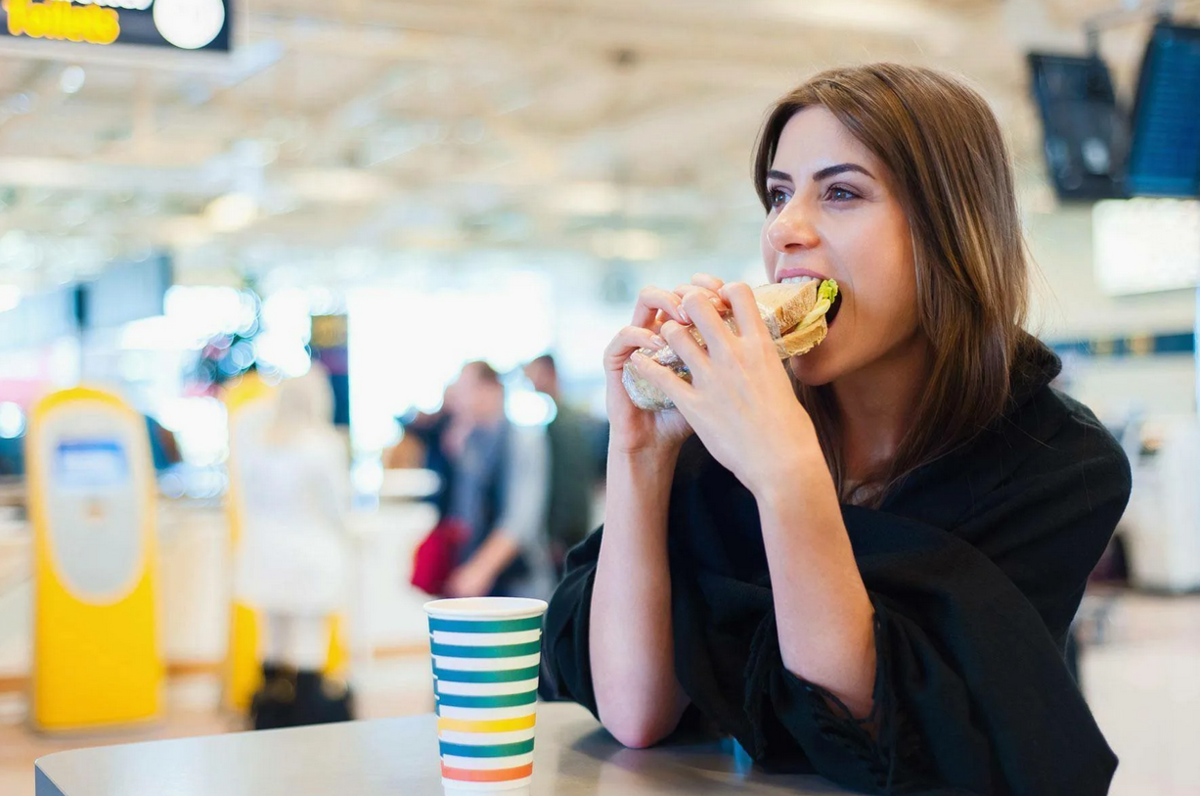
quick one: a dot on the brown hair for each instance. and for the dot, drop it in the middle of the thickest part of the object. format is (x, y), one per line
(951, 171)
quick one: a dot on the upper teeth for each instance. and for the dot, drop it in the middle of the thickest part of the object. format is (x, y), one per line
(799, 280)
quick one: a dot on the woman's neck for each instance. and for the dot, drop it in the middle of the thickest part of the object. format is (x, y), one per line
(876, 405)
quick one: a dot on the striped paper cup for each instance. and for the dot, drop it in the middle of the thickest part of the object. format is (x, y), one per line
(486, 653)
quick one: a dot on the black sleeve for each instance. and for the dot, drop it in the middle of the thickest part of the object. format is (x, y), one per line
(566, 656)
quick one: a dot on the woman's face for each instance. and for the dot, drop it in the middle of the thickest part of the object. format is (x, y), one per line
(834, 215)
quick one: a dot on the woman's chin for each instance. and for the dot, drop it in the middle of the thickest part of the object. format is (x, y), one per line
(810, 369)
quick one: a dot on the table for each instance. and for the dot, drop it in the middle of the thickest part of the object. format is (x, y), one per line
(398, 757)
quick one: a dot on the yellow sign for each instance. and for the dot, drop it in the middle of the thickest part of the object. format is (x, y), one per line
(63, 21)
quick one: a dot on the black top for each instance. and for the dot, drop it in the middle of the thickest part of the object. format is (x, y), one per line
(975, 565)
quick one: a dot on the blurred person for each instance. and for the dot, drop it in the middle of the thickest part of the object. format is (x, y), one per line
(499, 494)
(864, 563)
(572, 471)
(408, 452)
(436, 440)
(292, 559)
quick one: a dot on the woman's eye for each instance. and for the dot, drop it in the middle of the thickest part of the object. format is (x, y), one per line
(778, 197)
(839, 194)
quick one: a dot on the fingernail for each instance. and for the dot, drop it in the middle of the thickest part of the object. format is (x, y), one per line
(716, 302)
(683, 314)
(658, 342)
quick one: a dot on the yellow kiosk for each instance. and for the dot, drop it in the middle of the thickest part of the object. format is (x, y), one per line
(248, 403)
(96, 661)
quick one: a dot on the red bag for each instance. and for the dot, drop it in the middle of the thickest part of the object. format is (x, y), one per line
(437, 556)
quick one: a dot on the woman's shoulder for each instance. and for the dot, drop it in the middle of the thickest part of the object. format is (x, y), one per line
(1074, 437)
(1046, 449)
(1051, 428)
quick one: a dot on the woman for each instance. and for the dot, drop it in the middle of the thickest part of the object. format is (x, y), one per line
(875, 581)
(292, 560)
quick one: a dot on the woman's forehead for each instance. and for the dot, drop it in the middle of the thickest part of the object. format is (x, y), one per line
(814, 139)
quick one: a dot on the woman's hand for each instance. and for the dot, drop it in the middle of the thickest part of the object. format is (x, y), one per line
(633, 430)
(740, 402)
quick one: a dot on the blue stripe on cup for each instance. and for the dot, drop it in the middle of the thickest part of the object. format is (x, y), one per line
(488, 626)
(491, 750)
(500, 701)
(503, 676)
(507, 651)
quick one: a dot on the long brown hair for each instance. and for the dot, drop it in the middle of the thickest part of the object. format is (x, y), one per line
(952, 173)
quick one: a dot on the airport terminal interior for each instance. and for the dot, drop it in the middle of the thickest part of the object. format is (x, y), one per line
(379, 221)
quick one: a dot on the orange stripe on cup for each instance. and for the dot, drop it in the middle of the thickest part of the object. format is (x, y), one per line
(484, 775)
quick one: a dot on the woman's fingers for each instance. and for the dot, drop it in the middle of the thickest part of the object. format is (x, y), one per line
(683, 342)
(745, 310)
(683, 291)
(653, 300)
(707, 285)
(628, 340)
(717, 336)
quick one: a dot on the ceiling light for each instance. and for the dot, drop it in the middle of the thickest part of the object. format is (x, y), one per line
(338, 185)
(71, 79)
(189, 24)
(10, 296)
(12, 420)
(231, 212)
(19, 104)
(187, 231)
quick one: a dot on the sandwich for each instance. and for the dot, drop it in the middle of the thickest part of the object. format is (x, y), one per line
(795, 315)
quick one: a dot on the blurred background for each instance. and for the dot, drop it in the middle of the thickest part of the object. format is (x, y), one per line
(201, 199)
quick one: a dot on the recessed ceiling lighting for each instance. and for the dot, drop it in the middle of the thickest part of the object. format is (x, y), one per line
(231, 212)
(71, 79)
(10, 296)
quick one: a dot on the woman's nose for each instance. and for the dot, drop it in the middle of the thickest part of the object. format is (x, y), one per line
(792, 229)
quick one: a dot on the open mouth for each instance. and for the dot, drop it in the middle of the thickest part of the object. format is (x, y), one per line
(837, 300)
(833, 309)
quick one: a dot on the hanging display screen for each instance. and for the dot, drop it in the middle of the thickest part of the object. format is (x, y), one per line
(170, 24)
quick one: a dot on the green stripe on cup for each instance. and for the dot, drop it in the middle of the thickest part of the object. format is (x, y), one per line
(506, 651)
(495, 750)
(500, 701)
(488, 626)
(506, 676)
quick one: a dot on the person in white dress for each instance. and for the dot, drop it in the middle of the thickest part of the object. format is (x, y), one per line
(293, 557)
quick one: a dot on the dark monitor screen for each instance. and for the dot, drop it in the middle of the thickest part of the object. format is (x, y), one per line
(1085, 134)
(1164, 158)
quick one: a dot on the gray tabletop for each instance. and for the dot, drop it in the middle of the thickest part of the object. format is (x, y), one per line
(398, 757)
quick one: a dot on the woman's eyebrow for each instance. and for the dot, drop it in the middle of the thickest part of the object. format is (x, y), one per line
(782, 176)
(841, 168)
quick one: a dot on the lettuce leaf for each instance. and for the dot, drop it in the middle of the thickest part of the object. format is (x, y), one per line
(826, 293)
